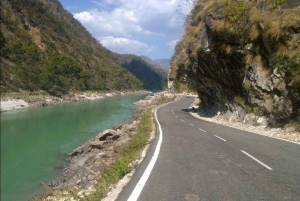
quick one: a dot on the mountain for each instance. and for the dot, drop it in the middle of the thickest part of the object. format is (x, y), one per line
(243, 59)
(44, 48)
(153, 79)
(163, 64)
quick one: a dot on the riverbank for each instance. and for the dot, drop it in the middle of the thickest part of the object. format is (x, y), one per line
(15, 101)
(98, 164)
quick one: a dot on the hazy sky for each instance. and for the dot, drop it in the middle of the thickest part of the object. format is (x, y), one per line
(141, 27)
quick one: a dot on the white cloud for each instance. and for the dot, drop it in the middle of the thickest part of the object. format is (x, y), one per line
(139, 27)
(172, 43)
(126, 46)
(70, 8)
(132, 18)
(105, 4)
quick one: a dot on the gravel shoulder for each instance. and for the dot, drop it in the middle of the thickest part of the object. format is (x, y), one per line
(288, 132)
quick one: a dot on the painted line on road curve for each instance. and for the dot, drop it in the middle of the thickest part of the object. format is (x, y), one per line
(257, 160)
(220, 138)
(140, 185)
(182, 120)
(191, 124)
(278, 138)
(176, 117)
(202, 130)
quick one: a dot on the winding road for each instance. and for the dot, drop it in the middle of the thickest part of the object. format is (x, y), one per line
(195, 160)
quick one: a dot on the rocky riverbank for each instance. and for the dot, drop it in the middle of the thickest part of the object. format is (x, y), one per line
(14, 101)
(87, 162)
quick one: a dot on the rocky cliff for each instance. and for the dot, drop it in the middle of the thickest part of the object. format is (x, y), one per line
(243, 59)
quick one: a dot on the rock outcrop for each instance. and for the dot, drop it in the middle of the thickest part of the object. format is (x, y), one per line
(243, 58)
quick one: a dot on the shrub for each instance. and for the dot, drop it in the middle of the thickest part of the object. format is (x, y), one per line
(235, 10)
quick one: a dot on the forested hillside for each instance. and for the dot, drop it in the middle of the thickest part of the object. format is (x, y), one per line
(153, 78)
(44, 48)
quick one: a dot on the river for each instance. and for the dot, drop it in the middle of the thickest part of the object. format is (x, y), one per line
(35, 141)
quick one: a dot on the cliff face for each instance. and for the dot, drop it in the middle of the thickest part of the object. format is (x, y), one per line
(243, 58)
(44, 48)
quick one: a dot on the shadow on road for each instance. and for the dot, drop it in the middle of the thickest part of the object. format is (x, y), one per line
(185, 110)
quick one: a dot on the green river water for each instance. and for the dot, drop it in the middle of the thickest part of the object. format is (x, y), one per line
(35, 141)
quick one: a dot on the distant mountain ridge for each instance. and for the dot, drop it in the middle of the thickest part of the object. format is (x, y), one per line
(153, 78)
(163, 64)
(43, 47)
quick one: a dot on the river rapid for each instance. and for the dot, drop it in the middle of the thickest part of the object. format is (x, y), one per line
(35, 141)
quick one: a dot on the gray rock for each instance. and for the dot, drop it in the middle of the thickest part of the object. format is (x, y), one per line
(103, 135)
(96, 144)
(91, 160)
(90, 177)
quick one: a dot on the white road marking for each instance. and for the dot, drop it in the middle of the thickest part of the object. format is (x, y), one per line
(257, 160)
(220, 138)
(182, 120)
(202, 130)
(191, 124)
(257, 133)
(176, 117)
(140, 185)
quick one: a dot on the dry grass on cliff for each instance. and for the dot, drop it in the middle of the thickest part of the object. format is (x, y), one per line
(274, 25)
(207, 5)
(196, 50)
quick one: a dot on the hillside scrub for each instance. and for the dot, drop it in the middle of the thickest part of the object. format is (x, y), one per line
(44, 48)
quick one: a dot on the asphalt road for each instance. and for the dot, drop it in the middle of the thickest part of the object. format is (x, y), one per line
(199, 160)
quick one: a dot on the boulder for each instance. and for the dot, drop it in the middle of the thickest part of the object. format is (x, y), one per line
(96, 144)
(109, 132)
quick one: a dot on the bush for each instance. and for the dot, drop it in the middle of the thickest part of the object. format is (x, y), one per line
(235, 10)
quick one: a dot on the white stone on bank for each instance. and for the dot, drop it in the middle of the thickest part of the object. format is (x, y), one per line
(13, 104)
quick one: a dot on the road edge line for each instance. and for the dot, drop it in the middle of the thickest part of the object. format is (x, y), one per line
(278, 138)
(140, 185)
(220, 138)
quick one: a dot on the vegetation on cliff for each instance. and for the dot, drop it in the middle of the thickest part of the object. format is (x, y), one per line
(44, 48)
(243, 55)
